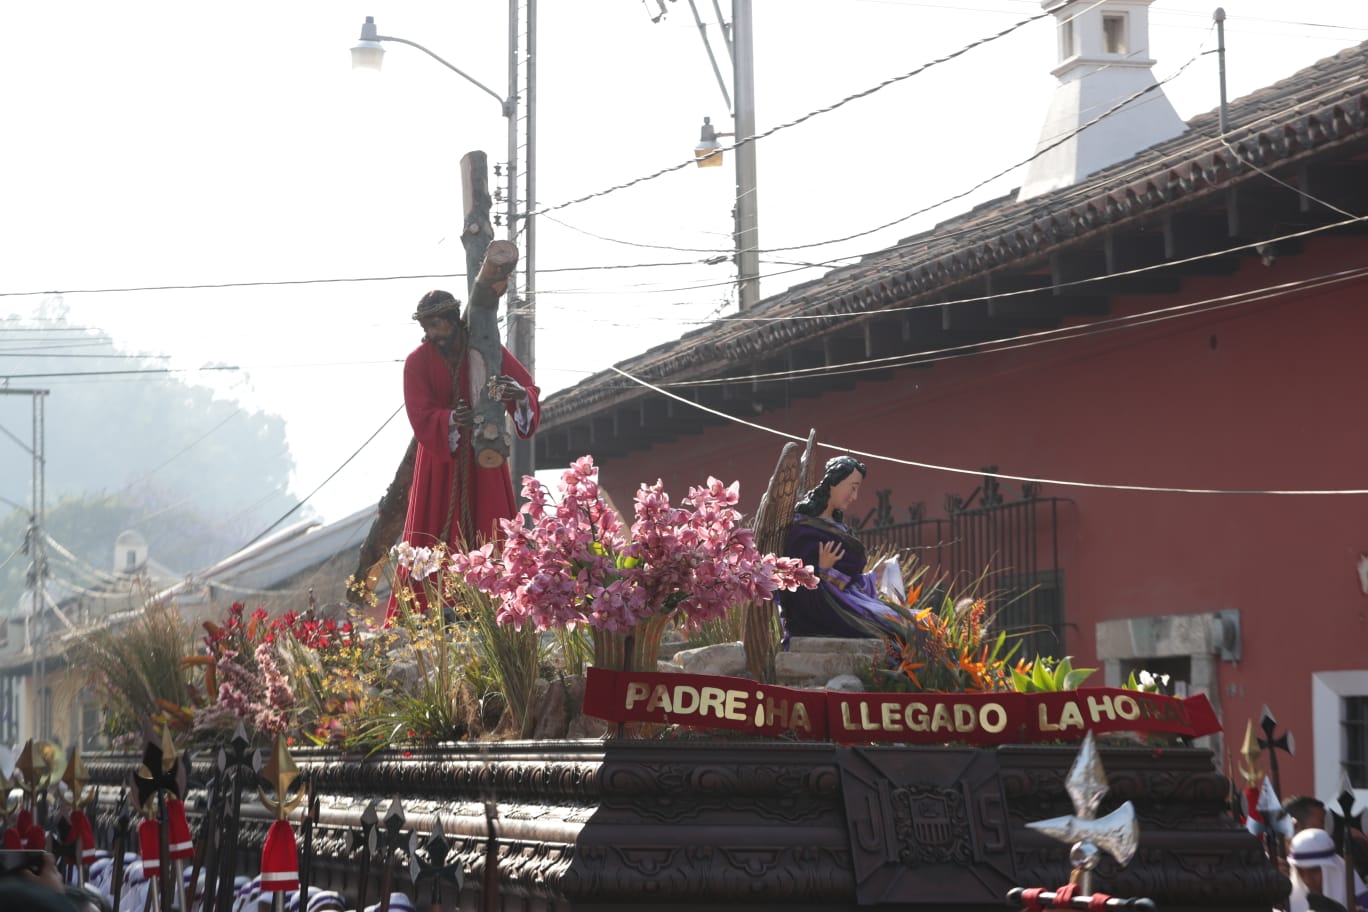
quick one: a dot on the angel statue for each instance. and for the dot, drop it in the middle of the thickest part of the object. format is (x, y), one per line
(846, 602)
(812, 527)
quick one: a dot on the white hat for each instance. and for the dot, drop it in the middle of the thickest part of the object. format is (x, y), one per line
(1311, 848)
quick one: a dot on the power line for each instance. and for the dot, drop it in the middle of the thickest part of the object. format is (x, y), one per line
(290, 512)
(182, 451)
(1047, 336)
(1072, 283)
(117, 373)
(980, 473)
(1056, 141)
(199, 286)
(36, 355)
(801, 119)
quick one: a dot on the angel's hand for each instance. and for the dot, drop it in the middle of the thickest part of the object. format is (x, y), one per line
(828, 554)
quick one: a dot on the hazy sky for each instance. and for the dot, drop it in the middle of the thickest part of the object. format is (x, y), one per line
(154, 144)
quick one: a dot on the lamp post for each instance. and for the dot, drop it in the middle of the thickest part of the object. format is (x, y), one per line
(708, 151)
(368, 53)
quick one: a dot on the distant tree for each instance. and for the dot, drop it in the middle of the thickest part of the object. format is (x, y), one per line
(198, 476)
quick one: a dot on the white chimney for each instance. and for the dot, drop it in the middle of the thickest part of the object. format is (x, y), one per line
(1103, 59)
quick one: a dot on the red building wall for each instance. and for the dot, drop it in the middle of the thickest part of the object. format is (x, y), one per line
(1268, 394)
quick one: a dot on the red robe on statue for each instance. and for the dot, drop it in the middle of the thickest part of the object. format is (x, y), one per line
(429, 400)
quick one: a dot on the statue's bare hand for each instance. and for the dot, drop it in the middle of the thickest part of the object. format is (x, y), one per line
(829, 553)
(462, 414)
(506, 389)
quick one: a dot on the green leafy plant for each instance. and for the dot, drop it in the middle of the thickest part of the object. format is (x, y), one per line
(1049, 675)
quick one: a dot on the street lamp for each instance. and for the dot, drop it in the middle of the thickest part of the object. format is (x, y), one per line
(708, 152)
(368, 53)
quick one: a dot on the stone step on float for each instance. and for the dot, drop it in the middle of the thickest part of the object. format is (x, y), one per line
(809, 661)
(815, 661)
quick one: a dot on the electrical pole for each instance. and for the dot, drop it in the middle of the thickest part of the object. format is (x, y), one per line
(34, 546)
(747, 213)
(522, 311)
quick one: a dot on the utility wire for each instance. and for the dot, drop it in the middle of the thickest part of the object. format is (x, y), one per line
(13, 554)
(182, 451)
(1046, 336)
(326, 281)
(116, 373)
(1057, 141)
(290, 512)
(801, 119)
(980, 473)
(1070, 283)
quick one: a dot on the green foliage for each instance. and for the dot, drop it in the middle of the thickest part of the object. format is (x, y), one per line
(512, 656)
(1048, 675)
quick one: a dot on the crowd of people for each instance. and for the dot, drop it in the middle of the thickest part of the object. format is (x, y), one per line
(1315, 865)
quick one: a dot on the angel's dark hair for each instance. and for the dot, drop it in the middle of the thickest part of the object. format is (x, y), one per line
(838, 469)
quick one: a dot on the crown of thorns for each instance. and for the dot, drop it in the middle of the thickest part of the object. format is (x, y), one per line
(435, 304)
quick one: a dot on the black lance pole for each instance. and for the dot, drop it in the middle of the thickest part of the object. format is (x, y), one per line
(365, 841)
(238, 762)
(1268, 742)
(206, 853)
(394, 825)
(310, 821)
(1273, 744)
(1346, 822)
(122, 819)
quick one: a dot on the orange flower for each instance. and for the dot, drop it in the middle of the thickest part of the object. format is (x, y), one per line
(910, 669)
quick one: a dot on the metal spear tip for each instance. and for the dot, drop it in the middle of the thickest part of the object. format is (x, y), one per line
(8, 759)
(1266, 720)
(394, 816)
(1269, 803)
(415, 867)
(437, 845)
(75, 778)
(280, 772)
(369, 817)
(240, 742)
(1348, 797)
(1087, 781)
(168, 749)
(1250, 752)
(27, 764)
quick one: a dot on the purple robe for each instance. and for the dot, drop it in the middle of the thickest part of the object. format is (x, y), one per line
(846, 601)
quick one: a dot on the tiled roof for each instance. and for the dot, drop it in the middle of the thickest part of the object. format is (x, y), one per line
(1307, 115)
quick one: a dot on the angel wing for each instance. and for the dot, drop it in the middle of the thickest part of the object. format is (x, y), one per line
(775, 513)
(809, 474)
(760, 628)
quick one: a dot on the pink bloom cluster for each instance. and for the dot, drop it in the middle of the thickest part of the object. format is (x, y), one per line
(575, 563)
(257, 693)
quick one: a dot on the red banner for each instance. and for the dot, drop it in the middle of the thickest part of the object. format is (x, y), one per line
(711, 701)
